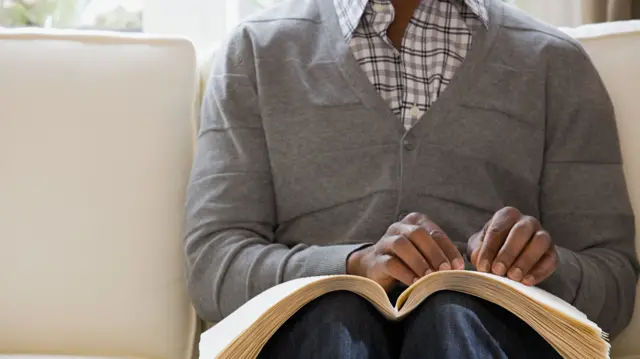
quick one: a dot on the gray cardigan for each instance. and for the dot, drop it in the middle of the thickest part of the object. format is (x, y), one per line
(300, 162)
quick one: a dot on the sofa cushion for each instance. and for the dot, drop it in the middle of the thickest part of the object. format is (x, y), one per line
(615, 49)
(96, 143)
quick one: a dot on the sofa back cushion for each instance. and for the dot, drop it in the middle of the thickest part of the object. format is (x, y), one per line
(96, 142)
(615, 50)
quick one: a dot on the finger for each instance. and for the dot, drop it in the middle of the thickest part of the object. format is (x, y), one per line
(426, 245)
(395, 268)
(516, 242)
(475, 244)
(442, 240)
(495, 236)
(543, 269)
(414, 218)
(401, 247)
(530, 256)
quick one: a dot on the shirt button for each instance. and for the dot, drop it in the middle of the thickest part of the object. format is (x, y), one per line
(378, 8)
(415, 112)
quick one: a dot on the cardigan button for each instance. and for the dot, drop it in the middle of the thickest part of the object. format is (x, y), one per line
(408, 144)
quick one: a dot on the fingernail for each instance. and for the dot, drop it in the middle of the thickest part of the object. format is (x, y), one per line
(499, 268)
(458, 263)
(516, 274)
(484, 266)
(529, 280)
(429, 271)
(445, 266)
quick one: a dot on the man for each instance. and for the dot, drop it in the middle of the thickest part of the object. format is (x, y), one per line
(393, 138)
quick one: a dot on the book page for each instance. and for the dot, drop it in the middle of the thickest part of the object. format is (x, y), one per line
(473, 281)
(214, 340)
(540, 296)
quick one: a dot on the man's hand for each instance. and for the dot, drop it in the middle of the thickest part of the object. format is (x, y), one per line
(411, 249)
(514, 245)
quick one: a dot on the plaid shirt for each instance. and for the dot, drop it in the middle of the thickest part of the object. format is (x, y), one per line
(436, 42)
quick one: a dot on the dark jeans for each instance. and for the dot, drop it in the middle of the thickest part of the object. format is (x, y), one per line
(448, 325)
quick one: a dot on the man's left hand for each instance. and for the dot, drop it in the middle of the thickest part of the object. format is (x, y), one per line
(514, 245)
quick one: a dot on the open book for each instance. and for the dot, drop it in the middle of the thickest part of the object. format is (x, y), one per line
(243, 333)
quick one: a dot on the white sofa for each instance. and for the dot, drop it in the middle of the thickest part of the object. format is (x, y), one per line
(615, 49)
(96, 139)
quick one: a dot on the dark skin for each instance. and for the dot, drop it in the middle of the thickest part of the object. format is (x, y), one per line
(411, 249)
(404, 12)
(511, 244)
(514, 245)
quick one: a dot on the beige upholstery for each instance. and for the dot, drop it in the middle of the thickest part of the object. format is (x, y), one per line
(615, 49)
(95, 151)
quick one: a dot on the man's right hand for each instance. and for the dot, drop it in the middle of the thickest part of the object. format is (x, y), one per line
(411, 249)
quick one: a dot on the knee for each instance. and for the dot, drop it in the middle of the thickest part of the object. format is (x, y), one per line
(340, 303)
(451, 308)
(450, 299)
(336, 325)
(339, 306)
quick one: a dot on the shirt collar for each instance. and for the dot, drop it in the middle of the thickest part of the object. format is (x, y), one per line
(350, 13)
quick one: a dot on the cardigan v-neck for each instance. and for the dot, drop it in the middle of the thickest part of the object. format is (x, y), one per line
(461, 82)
